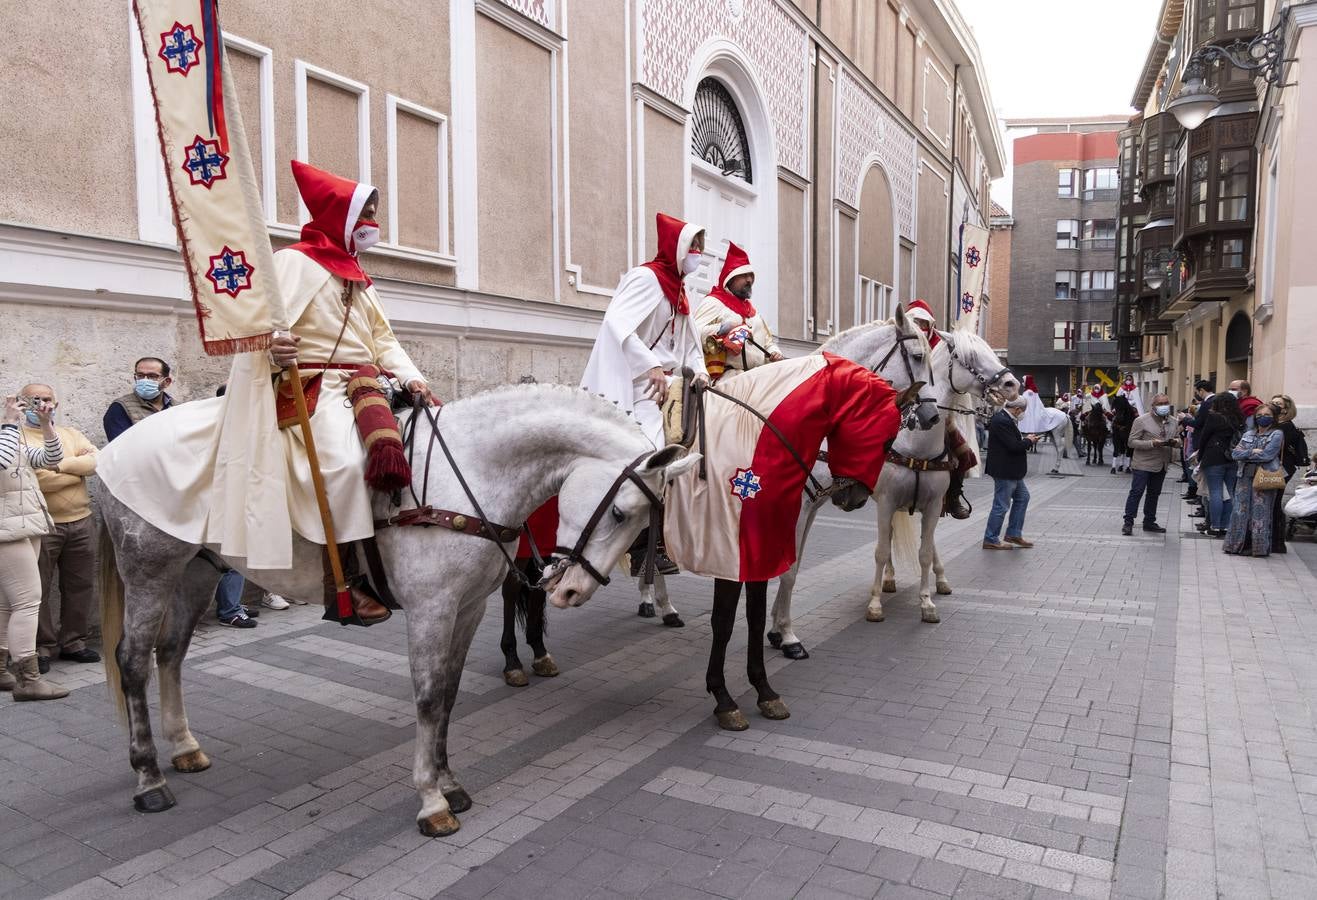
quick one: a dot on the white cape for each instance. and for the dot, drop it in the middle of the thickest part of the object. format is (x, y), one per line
(1038, 419)
(609, 371)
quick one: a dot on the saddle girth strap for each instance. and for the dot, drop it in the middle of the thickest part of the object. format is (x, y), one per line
(429, 516)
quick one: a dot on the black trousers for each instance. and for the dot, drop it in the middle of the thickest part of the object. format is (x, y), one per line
(1149, 483)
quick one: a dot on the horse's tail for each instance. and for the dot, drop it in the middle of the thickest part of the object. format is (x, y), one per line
(111, 590)
(905, 542)
(527, 595)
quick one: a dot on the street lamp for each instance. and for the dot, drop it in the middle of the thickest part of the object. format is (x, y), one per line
(1263, 55)
(1157, 268)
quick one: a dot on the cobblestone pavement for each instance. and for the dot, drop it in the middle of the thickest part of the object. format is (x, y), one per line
(1099, 716)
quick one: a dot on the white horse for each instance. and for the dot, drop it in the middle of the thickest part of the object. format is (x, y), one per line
(895, 349)
(964, 366)
(516, 447)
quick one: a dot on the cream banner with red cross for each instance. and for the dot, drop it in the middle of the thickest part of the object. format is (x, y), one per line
(212, 184)
(973, 272)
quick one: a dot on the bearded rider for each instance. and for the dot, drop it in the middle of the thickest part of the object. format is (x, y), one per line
(647, 336)
(734, 335)
(956, 447)
(339, 326)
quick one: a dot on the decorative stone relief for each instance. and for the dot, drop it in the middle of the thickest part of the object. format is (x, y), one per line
(778, 48)
(864, 128)
(535, 10)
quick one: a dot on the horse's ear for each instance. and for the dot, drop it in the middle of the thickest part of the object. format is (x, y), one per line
(673, 460)
(902, 322)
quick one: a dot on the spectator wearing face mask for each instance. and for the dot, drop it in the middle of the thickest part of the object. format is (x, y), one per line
(1251, 518)
(1152, 438)
(1293, 454)
(1248, 404)
(148, 397)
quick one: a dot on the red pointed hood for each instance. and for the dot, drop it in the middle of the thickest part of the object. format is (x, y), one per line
(920, 311)
(1029, 384)
(335, 205)
(738, 263)
(674, 242)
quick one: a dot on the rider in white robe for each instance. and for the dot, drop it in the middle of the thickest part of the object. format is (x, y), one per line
(736, 337)
(233, 479)
(648, 334)
(1038, 419)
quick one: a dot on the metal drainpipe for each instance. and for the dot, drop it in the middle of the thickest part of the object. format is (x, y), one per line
(951, 199)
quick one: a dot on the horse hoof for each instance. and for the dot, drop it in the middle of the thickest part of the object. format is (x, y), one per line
(672, 620)
(930, 616)
(515, 678)
(731, 720)
(441, 824)
(459, 801)
(944, 589)
(544, 667)
(871, 616)
(775, 640)
(889, 587)
(774, 709)
(155, 800)
(192, 761)
(646, 611)
(795, 651)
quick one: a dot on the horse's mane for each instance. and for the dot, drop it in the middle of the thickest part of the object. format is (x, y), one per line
(1122, 410)
(583, 401)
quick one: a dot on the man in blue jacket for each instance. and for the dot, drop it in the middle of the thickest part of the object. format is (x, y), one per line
(1008, 463)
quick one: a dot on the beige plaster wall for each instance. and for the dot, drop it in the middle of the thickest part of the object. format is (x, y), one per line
(846, 277)
(57, 123)
(665, 166)
(931, 277)
(792, 293)
(598, 109)
(837, 19)
(513, 151)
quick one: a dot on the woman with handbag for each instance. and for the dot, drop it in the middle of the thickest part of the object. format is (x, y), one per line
(1259, 485)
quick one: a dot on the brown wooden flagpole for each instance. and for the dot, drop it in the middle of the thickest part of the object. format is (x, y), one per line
(342, 596)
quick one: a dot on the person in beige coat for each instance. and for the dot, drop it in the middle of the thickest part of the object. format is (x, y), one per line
(68, 551)
(23, 522)
(1152, 438)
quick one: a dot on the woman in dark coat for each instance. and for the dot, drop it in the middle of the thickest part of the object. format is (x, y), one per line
(1222, 429)
(1293, 454)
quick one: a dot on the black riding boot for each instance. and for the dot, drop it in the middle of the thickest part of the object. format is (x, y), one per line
(663, 565)
(954, 504)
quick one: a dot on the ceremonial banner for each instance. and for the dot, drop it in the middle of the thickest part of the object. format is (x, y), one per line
(739, 522)
(973, 273)
(212, 185)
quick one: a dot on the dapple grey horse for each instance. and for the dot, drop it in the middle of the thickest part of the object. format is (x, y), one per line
(896, 349)
(516, 447)
(963, 365)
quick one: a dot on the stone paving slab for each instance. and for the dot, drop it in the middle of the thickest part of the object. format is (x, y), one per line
(1100, 716)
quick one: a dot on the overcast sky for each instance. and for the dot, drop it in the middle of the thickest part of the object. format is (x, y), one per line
(1060, 57)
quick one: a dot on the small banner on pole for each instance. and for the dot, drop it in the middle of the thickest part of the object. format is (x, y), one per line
(212, 184)
(973, 273)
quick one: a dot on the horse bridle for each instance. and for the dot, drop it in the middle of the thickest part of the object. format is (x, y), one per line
(985, 381)
(576, 555)
(910, 372)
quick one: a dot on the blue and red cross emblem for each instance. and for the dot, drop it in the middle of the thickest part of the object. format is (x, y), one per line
(230, 272)
(204, 162)
(973, 257)
(745, 484)
(967, 302)
(180, 48)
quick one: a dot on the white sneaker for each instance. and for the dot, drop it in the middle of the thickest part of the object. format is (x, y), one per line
(273, 601)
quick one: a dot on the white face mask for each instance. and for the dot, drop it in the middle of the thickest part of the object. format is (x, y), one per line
(691, 262)
(367, 235)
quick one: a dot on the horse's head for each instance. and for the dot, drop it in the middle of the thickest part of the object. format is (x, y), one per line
(976, 370)
(898, 351)
(602, 507)
(848, 494)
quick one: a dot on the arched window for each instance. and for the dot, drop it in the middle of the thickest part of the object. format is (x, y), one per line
(718, 132)
(1239, 339)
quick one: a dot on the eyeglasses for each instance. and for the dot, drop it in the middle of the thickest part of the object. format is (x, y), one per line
(150, 376)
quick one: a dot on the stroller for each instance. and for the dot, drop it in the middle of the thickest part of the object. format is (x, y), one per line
(1301, 510)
